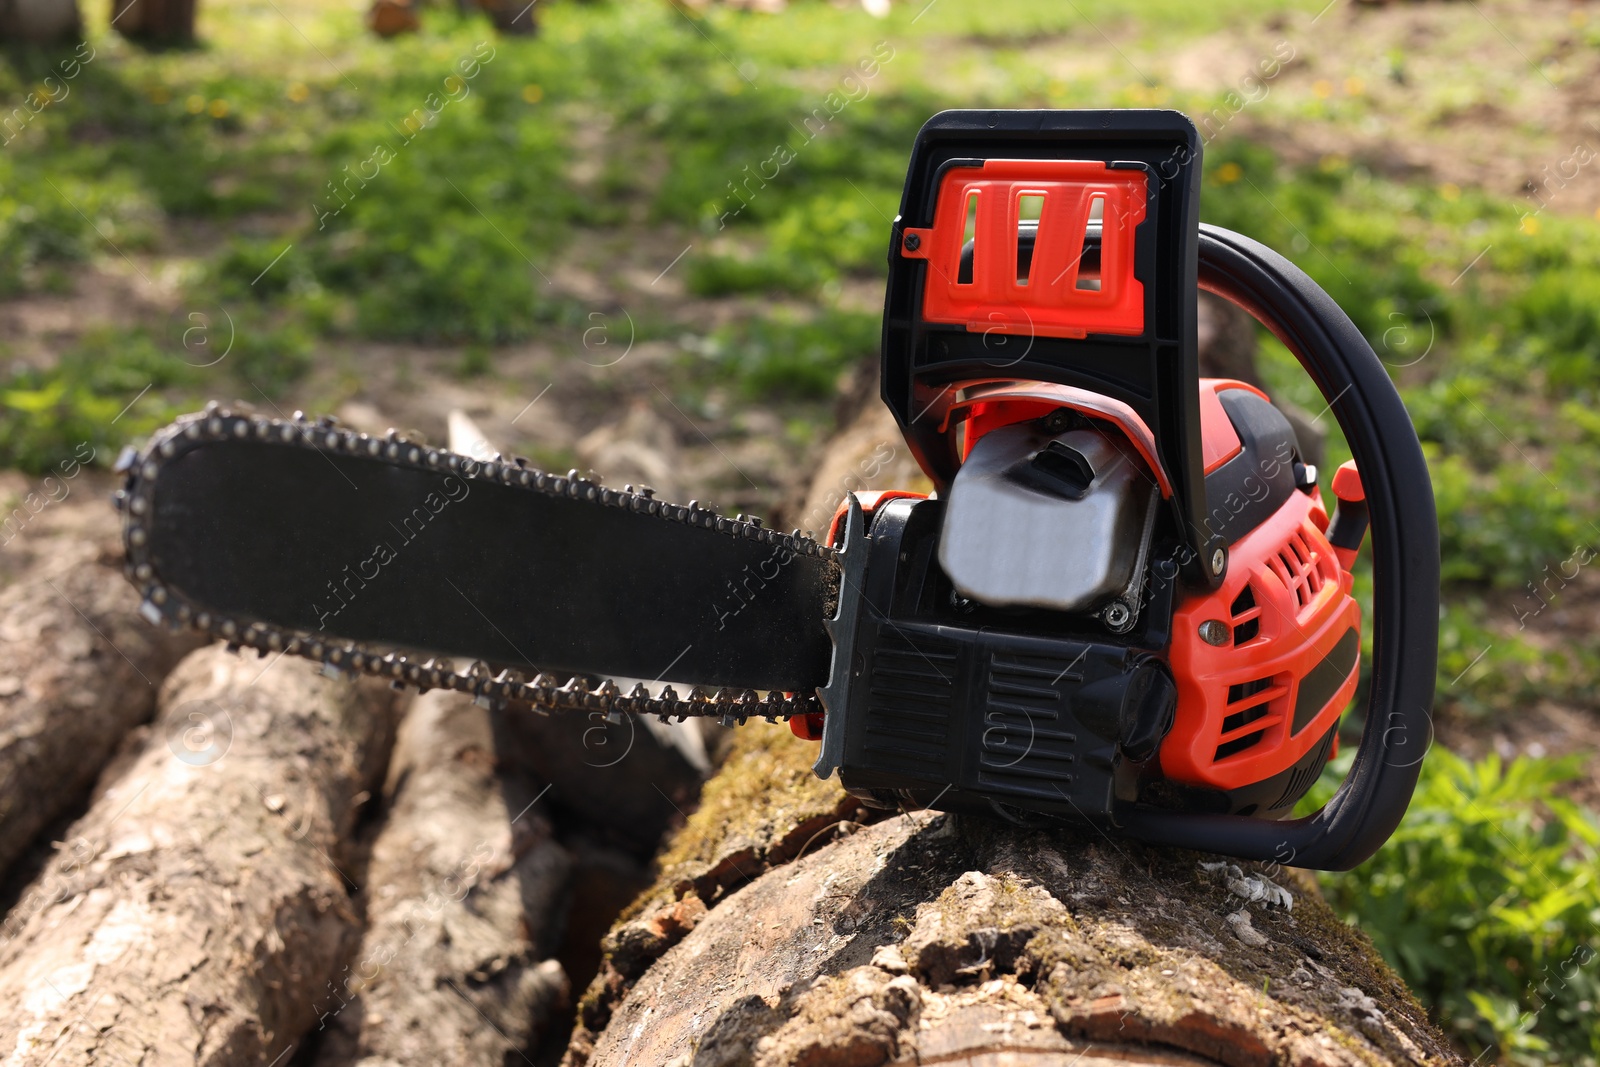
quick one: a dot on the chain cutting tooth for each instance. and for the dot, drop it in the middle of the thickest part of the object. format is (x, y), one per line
(571, 694)
(605, 695)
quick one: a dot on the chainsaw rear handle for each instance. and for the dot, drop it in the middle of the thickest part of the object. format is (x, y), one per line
(1405, 564)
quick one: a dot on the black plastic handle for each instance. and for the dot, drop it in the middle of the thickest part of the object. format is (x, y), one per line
(1405, 568)
(1155, 372)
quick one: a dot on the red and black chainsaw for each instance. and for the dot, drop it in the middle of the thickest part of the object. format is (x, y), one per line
(1126, 603)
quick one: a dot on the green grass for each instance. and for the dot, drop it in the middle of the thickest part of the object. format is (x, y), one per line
(1487, 902)
(789, 353)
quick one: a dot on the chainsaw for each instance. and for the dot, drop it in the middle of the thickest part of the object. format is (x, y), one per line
(1126, 604)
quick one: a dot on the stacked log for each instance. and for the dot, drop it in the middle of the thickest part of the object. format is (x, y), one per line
(464, 885)
(197, 912)
(928, 938)
(256, 880)
(79, 669)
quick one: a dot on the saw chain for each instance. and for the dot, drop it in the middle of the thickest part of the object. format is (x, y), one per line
(542, 691)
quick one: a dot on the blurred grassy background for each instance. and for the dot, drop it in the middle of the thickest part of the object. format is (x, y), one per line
(274, 214)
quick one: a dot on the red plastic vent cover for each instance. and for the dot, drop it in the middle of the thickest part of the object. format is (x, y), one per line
(1070, 287)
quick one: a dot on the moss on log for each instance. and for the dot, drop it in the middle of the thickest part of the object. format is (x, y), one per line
(929, 938)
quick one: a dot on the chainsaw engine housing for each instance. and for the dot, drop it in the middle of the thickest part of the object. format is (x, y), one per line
(1125, 602)
(1009, 661)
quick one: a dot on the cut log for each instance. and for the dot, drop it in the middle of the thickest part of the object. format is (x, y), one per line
(200, 910)
(465, 886)
(762, 809)
(78, 670)
(867, 452)
(620, 783)
(940, 939)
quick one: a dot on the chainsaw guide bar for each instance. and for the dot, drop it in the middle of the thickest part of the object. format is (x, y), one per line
(614, 583)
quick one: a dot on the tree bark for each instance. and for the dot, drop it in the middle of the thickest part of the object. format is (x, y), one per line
(620, 784)
(78, 670)
(390, 18)
(198, 913)
(466, 883)
(515, 17)
(929, 938)
(867, 452)
(39, 21)
(156, 21)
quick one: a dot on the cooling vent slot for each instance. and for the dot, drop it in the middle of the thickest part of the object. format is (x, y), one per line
(1250, 714)
(1030, 741)
(1246, 616)
(1297, 565)
(1302, 776)
(1249, 705)
(908, 700)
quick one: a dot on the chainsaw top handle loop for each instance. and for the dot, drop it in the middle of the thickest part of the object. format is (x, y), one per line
(1405, 568)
